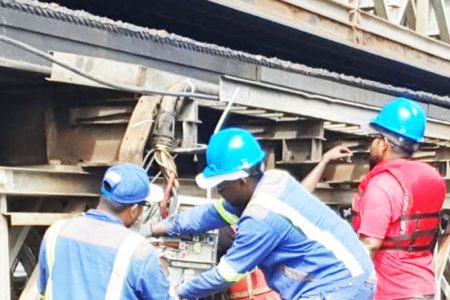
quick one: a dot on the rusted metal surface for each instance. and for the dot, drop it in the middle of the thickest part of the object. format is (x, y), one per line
(73, 140)
(311, 104)
(170, 52)
(50, 182)
(120, 73)
(347, 25)
(36, 218)
(298, 108)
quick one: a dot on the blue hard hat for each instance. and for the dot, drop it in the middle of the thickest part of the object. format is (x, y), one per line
(126, 184)
(402, 117)
(230, 152)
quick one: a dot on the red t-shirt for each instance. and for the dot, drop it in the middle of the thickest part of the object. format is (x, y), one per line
(400, 274)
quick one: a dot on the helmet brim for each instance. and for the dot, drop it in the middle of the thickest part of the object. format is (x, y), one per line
(207, 182)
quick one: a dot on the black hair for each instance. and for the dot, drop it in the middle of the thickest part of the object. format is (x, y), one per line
(112, 206)
(401, 146)
(402, 150)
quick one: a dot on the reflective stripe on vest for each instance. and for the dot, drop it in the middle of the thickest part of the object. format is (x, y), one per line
(121, 264)
(50, 247)
(227, 272)
(311, 231)
(120, 268)
(225, 214)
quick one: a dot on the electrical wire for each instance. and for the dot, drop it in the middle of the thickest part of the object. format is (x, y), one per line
(226, 111)
(166, 162)
(125, 88)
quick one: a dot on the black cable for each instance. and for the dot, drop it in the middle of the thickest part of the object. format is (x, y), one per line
(125, 88)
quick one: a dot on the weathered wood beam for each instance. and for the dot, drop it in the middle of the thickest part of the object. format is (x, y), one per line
(138, 130)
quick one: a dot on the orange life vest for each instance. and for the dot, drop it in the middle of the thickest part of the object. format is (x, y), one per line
(252, 286)
(424, 193)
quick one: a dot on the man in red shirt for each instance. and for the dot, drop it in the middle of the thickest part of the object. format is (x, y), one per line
(396, 210)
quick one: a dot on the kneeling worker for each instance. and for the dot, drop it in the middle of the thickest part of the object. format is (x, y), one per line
(96, 256)
(304, 249)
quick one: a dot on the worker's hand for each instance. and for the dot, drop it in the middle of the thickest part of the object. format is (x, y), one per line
(157, 229)
(338, 152)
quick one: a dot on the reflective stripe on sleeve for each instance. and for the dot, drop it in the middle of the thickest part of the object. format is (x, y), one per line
(225, 214)
(121, 265)
(50, 248)
(311, 231)
(227, 272)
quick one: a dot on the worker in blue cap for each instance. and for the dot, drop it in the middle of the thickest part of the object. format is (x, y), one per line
(96, 256)
(305, 250)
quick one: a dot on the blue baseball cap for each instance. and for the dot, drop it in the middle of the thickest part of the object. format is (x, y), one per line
(128, 184)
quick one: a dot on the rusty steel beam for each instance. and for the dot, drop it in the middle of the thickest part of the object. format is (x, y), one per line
(36, 219)
(48, 182)
(356, 28)
(121, 73)
(287, 130)
(311, 104)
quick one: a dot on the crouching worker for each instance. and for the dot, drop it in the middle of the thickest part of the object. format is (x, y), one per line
(305, 250)
(96, 256)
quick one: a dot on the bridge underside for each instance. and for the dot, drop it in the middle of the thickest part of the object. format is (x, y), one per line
(318, 33)
(59, 133)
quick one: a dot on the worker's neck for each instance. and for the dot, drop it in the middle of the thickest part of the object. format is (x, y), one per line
(253, 183)
(105, 209)
(390, 156)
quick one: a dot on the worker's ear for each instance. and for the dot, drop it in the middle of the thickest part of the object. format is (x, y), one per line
(385, 145)
(242, 181)
(135, 211)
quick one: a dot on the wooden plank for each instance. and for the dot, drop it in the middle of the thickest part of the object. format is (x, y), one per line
(36, 219)
(138, 130)
(5, 285)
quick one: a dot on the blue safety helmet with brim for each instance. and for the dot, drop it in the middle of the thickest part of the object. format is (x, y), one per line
(229, 154)
(403, 118)
(128, 184)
